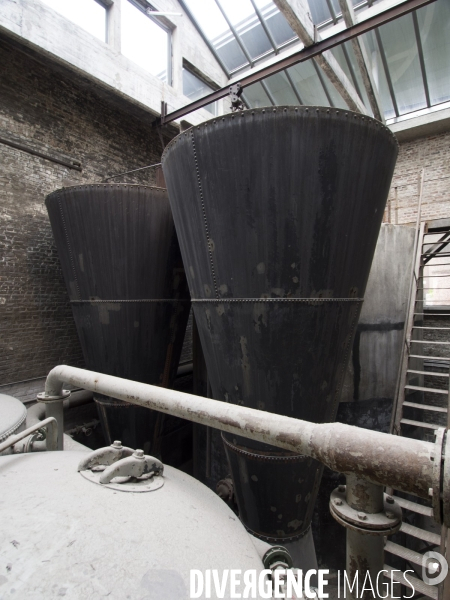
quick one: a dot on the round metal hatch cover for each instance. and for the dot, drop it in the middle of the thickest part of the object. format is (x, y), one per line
(126, 484)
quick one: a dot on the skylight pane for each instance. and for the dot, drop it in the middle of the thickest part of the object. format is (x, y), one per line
(319, 11)
(308, 84)
(237, 10)
(434, 25)
(255, 40)
(209, 17)
(256, 96)
(230, 53)
(379, 75)
(400, 47)
(88, 14)
(144, 42)
(276, 23)
(281, 89)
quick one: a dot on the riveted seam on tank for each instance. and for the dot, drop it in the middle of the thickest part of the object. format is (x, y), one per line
(262, 457)
(318, 300)
(205, 220)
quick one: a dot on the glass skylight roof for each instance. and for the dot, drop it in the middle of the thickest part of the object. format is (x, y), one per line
(410, 57)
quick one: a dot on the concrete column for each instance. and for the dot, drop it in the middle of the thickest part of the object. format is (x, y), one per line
(113, 25)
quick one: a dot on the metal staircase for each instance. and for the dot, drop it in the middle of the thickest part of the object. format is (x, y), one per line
(422, 400)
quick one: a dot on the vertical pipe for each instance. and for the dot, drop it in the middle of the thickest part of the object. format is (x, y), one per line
(365, 553)
(55, 409)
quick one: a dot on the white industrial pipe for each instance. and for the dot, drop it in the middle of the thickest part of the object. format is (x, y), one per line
(408, 465)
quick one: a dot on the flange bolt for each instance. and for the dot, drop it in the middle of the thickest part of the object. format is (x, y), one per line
(338, 502)
(341, 489)
(362, 516)
(389, 499)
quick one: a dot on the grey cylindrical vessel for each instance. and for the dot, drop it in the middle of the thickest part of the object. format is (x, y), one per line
(124, 274)
(277, 213)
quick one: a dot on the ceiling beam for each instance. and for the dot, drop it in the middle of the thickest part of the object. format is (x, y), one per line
(362, 58)
(257, 74)
(296, 13)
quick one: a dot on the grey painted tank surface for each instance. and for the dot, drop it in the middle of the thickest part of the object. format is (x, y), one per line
(13, 415)
(64, 536)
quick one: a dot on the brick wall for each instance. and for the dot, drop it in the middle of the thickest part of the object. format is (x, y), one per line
(55, 114)
(432, 154)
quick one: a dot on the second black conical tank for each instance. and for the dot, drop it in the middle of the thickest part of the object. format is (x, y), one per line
(124, 274)
(278, 212)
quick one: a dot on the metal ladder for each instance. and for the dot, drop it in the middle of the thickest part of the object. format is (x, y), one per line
(422, 401)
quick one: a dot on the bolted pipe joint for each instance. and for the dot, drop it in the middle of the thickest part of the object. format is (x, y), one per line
(53, 398)
(362, 507)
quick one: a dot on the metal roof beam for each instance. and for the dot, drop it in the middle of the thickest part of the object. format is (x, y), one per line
(302, 55)
(296, 12)
(362, 58)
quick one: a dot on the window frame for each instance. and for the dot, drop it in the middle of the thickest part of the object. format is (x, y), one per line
(144, 7)
(193, 70)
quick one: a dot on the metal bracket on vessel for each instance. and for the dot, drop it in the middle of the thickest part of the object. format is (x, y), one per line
(235, 97)
(122, 468)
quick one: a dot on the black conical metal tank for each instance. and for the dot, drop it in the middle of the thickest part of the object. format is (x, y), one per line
(130, 300)
(277, 213)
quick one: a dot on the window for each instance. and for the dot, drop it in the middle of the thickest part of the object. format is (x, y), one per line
(146, 41)
(195, 88)
(88, 14)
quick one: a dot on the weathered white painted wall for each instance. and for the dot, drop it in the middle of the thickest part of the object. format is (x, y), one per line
(36, 25)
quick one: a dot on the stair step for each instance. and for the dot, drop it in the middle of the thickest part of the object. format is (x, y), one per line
(419, 424)
(425, 407)
(406, 553)
(436, 254)
(442, 358)
(430, 342)
(427, 511)
(425, 389)
(430, 591)
(432, 314)
(433, 373)
(436, 231)
(432, 328)
(421, 534)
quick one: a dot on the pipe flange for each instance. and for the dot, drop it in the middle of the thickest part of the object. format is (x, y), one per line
(277, 556)
(438, 471)
(47, 399)
(382, 523)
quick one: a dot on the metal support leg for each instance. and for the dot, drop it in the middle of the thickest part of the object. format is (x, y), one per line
(368, 515)
(365, 553)
(54, 408)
